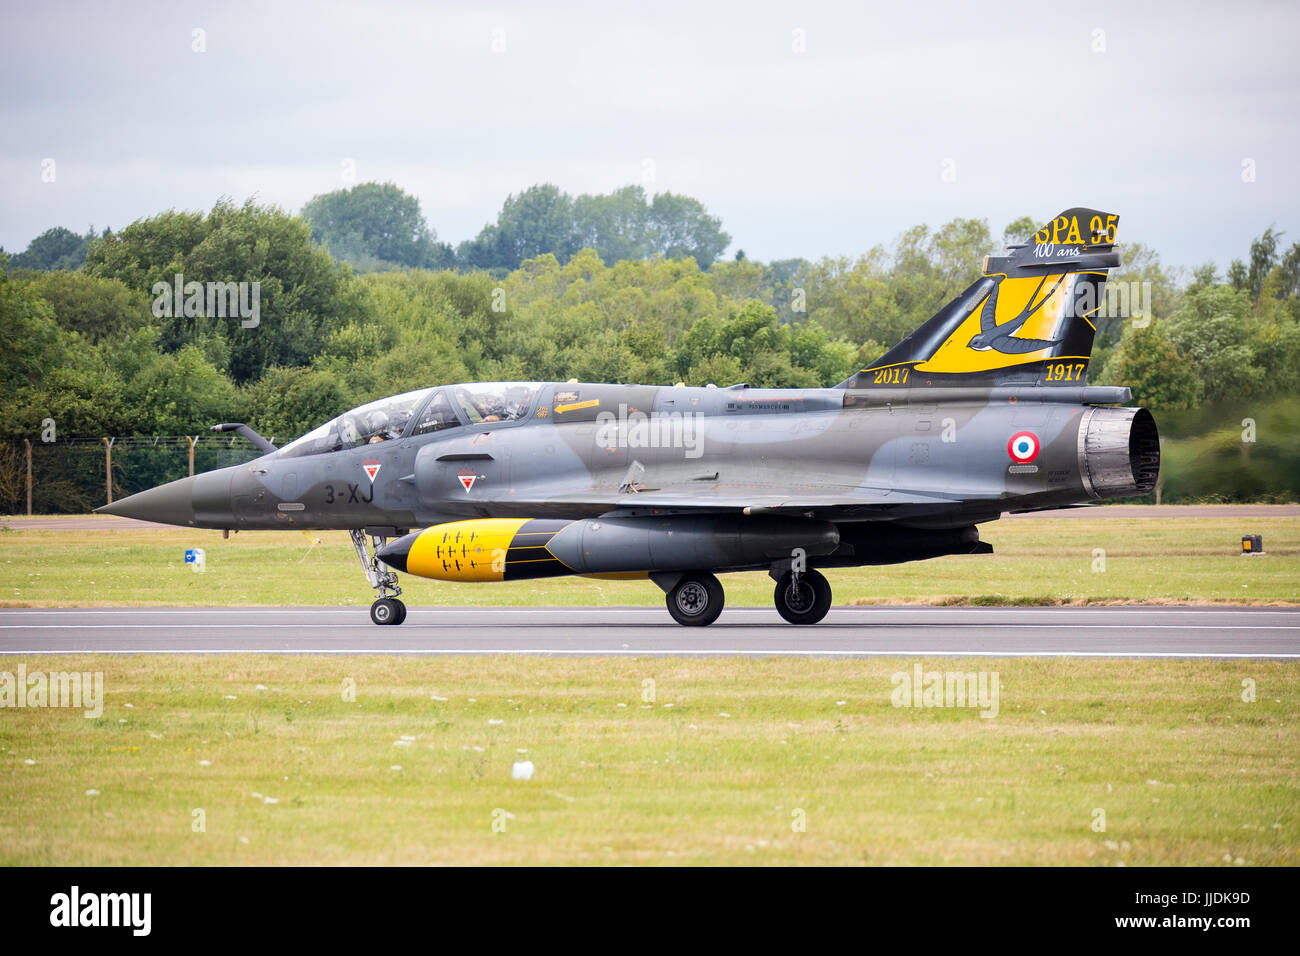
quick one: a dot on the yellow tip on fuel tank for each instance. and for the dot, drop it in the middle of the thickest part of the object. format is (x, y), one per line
(478, 549)
(473, 550)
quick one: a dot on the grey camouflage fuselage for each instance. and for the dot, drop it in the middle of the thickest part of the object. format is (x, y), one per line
(982, 410)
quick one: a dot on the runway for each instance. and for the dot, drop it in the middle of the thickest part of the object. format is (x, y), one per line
(1121, 632)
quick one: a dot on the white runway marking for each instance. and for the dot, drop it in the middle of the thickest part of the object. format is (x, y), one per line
(856, 631)
(684, 652)
(716, 628)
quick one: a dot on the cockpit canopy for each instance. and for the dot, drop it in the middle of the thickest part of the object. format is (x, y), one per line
(420, 412)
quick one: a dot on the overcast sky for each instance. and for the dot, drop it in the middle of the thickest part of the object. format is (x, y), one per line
(1146, 110)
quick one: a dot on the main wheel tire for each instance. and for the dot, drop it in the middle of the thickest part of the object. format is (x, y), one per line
(401, 611)
(696, 600)
(806, 604)
(385, 611)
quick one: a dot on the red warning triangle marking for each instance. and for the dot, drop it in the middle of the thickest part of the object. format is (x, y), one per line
(371, 468)
(467, 481)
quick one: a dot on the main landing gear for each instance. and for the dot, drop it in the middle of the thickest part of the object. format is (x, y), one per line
(802, 597)
(387, 609)
(695, 598)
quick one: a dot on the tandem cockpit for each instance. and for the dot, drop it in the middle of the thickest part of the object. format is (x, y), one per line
(421, 412)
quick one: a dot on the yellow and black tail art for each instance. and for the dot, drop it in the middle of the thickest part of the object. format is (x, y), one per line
(1027, 321)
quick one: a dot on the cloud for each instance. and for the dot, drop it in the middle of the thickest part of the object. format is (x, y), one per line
(829, 151)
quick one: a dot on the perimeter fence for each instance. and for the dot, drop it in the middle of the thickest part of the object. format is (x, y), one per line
(72, 476)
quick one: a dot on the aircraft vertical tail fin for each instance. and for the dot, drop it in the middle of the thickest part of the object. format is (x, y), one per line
(1028, 320)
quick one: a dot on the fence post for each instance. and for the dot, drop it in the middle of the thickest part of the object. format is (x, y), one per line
(1160, 475)
(108, 466)
(28, 443)
(192, 442)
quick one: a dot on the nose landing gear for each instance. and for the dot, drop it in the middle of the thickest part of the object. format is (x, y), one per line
(387, 609)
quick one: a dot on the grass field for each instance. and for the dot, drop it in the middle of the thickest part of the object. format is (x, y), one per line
(715, 769)
(713, 761)
(1036, 561)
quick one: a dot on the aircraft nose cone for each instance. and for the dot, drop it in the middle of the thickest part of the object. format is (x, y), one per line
(172, 503)
(395, 552)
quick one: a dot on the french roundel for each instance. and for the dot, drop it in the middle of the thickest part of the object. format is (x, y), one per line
(1023, 447)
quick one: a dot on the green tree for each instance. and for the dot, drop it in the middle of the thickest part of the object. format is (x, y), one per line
(681, 228)
(1263, 257)
(97, 307)
(51, 372)
(1206, 274)
(303, 296)
(750, 345)
(617, 226)
(33, 344)
(1238, 275)
(286, 403)
(1140, 273)
(180, 393)
(1212, 327)
(623, 225)
(538, 220)
(1148, 362)
(1289, 272)
(56, 248)
(1019, 231)
(376, 225)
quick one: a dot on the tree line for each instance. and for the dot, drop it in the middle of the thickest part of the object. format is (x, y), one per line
(85, 348)
(376, 226)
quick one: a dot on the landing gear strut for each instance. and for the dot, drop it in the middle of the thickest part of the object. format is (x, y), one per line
(387, 609)
(802, 597)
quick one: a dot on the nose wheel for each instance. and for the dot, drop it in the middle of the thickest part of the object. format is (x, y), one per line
(387, 609)
(802, 597)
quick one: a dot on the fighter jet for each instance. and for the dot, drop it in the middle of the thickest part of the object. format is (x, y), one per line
(983, 410)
